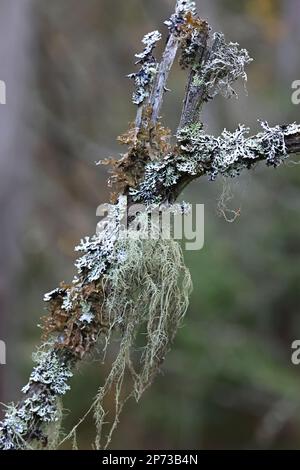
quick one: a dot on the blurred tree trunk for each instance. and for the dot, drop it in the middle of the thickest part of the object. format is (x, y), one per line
(15, 29)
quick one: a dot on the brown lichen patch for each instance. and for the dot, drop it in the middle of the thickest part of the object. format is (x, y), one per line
(71, 331)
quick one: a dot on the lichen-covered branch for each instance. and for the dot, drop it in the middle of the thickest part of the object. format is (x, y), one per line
(198, 154)
(176, 25)
(105, 297)
(195, 94)
(215, 68)
(151, 80)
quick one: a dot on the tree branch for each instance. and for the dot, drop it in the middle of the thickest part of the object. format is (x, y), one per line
(198, 154)
(159, 88)
(195, 95)
(154, 98)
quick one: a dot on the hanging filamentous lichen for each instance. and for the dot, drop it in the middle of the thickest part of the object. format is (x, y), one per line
(131, 287)
(147, 297)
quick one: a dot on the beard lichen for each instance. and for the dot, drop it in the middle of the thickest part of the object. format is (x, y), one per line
(144, 296)
(147, 297)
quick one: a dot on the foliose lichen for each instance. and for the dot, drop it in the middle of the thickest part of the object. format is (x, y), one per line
(149, 41)
(201, 153)
(144, 77)
(176, 21)
(272, 142)
(87, 314)
(53, 294)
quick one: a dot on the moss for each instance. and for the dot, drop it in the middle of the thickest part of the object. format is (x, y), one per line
(144, 77)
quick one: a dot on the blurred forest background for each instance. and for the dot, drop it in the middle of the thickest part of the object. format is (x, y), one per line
(229, 381)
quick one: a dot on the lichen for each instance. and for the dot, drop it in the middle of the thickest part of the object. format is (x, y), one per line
(158, 175)
(272, 142)
(50, 371)
(54, 294)
(194, 33)
(149, 41)
(87, 314)
(232, 152)
(225, 64)
(75, 317)
(190, 46)
(144, 77)
(176, 21)
(98, 250)
(201, 153)
(146, 320)
(51, 376)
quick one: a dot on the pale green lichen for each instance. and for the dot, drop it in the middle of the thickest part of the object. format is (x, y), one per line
(178, 18)
(232, 152)
(144, 77)
(147, 298)
(201, 153)
(224, 65)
